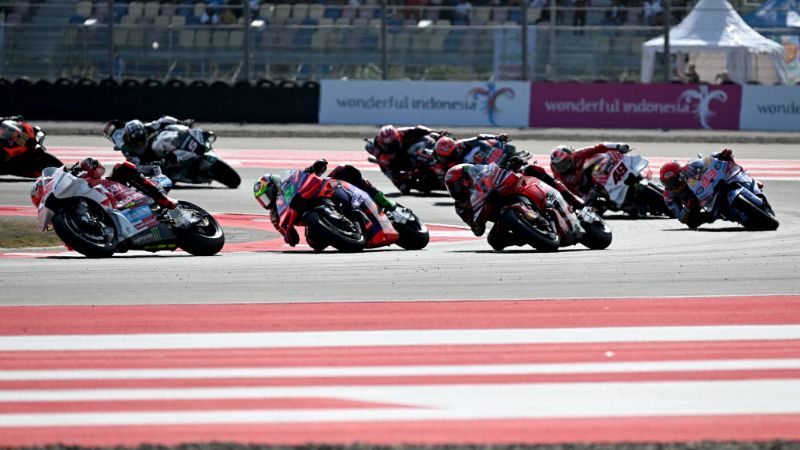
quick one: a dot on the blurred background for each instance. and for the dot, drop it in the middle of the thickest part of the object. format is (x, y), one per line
(186, 41)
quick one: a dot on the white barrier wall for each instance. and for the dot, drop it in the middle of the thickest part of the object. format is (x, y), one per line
(502, 104)
(774, 108)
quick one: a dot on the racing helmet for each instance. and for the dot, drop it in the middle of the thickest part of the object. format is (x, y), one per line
(266, 190)
(389, 136)
(459, 180)
(135, 134)
(38, 188)
(445, 149)
(672, 176)
(561, 159)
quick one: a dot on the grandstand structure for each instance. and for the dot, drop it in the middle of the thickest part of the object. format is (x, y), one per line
(212, 40)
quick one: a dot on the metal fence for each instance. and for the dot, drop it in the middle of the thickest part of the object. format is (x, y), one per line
(168, 39)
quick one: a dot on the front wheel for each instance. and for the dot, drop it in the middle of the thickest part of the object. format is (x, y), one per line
(225, 174)
(534, 229)
(340, 233)
(205, 237)
(757, 217)
(86, 228)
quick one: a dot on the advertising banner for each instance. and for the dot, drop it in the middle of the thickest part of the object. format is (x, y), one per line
(775, 108)
(424, 102)
(601, 105)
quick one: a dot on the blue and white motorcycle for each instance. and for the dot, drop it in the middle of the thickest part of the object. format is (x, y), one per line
(726, 191)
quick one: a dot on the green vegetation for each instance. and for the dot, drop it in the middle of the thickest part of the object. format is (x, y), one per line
(18, 232)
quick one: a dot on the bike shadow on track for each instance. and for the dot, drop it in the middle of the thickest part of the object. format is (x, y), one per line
(17, 180)
(520, 250)
(715, 230)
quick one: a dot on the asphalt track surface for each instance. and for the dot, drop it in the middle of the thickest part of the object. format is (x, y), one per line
(668, 335)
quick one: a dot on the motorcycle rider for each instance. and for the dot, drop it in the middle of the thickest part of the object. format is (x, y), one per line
(518, 165)
(93, 170)
(135, 139)
(449, 152)
(677, 194)
(461, 181)
(567, 164)
(269, 187)
(395, 150)
(16, 137)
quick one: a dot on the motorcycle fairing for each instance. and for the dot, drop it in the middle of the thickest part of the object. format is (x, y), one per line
(612, 169)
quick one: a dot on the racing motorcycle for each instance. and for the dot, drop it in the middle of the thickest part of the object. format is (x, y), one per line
(183, 155)
(330, 220)
(726, 191)
(534, 213)
(420, 174)
(622, 183)
(25, 162)
(101, 217)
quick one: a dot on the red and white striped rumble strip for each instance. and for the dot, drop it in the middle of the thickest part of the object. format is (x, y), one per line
(490, 372)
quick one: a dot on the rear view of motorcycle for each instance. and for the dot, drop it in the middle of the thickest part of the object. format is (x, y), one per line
(622, 183)
(726, 191)
(104, 217)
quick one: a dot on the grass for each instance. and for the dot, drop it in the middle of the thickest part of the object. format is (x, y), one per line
(19, 232)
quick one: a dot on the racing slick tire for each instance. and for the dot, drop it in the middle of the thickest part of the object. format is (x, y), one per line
(760, 219)
(325, 229)
(538, 235)
(225, 174)
(204, 238)
(93, 235)
(413, 234)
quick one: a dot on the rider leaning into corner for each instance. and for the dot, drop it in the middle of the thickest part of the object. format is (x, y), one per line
(461, 181)
(16, 137)
(135, 139)
(567, 164)
(679, 198)
(269, 188)
(395, 149)
(92, 171)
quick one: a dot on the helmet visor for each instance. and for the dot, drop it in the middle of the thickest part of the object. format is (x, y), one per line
(264, 199)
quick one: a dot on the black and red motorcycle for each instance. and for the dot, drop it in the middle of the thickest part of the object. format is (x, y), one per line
(534, 213)
(23, 153)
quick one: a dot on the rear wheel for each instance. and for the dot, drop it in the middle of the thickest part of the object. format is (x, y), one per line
(86, 228)
(225, 174)
(597, 235)
(536, 231)
(341, 233)
(413, 234)
(758, 218)
(204, 238)
(653, 198)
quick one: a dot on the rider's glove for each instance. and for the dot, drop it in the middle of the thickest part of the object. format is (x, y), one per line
(319, 167)
(503, 137)
(620, 147)
(725, 155)
(187, 122)
(92, 167)
(514, 164)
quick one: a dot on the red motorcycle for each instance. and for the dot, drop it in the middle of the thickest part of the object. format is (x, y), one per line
(533, 212)
(17, 156)
(337, 214)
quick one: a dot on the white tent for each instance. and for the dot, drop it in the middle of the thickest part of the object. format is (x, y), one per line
(717, 39)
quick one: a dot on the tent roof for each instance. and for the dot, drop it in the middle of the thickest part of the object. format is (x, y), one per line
(776, 14)
(714, 25)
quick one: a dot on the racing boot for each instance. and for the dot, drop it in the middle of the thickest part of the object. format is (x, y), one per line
(385, 203)
(157, 193)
